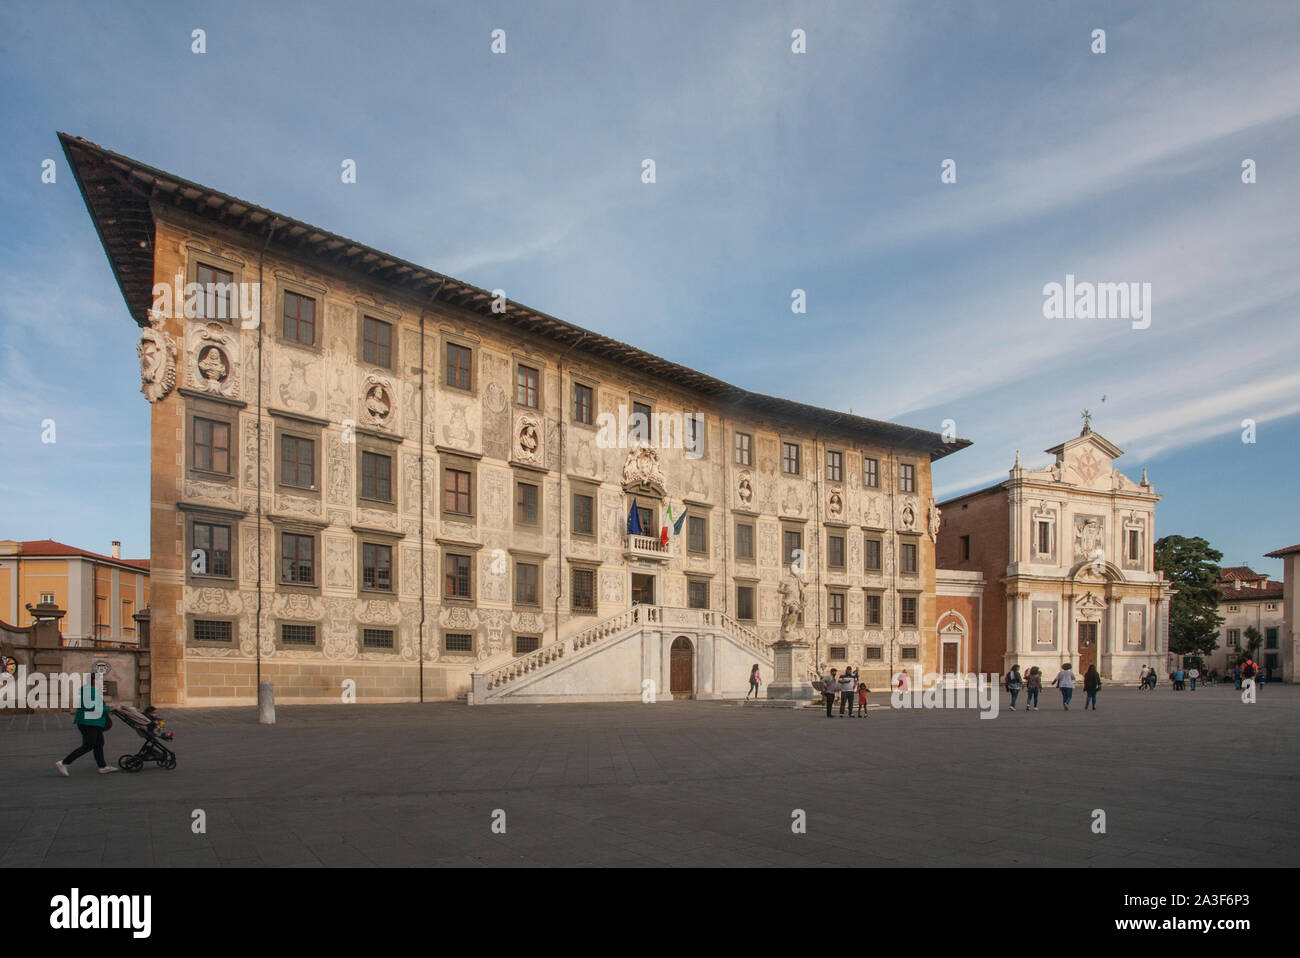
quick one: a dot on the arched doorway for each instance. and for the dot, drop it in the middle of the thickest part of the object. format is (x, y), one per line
(682, 668)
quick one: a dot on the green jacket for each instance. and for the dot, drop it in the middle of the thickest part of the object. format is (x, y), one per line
(93, 710)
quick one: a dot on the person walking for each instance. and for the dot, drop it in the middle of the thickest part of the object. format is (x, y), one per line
(1033, 683)
(755, 680)
(1014, 682)
(1091, 683)
(1192, 675)
(862, 698)
(829, 685)
(1151, 679)
(1178, 679)
(92, 719)
(1236, 677)
(848, 688)
(1142, 679)
(1065, 682)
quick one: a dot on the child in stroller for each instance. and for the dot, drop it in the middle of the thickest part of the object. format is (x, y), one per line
(148, 726)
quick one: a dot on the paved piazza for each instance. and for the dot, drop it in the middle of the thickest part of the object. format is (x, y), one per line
(1185, 779)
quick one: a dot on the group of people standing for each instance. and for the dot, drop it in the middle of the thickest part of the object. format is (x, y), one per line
(1032, 683)
(851, 690)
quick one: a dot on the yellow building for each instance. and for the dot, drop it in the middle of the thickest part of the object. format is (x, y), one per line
(101, 593)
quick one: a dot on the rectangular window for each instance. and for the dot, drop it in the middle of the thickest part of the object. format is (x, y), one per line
(697, 594)
(458, 642)
(208, 630)
(583, 511)
(1134, 545)
(964, 547)
(907, 558)
(527, 643)
(460, 361)
(909, 653)
(694, 433)
(47, 598)
(646, 518)
(457, 585)
(299, 319)
(744, 540)
(790, 458)
(377, 342)
(834, 466)
(745, 603)
(640, 425)
(835, 608)
(455, 491)
(128, 623)
(297, 634)
(297, 462)
(376, 477)
(839, 653)
(583, 407)
(526, 584)
(218, 291)
(907, 611)
(1270, 638)
(376, 567)
(873, 610)
(1234, 638)
(791, 540)
(875, 653)
(297, 558)
(211, 446)
(525, 503)
(835, 552)
(697, 539)
(1044, 537)
(744, 449)
(873, 555)
(213, 541)
(870, 472)
(583, 593)
(377, 638)
(526, 386)
(906, 477)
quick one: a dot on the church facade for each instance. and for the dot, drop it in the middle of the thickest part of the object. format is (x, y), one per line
(373, 480)
(1067, 556)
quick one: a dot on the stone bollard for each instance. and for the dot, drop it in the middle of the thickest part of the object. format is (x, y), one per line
(265, 703)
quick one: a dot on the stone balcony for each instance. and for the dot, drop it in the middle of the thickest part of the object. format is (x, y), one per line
(646, 547)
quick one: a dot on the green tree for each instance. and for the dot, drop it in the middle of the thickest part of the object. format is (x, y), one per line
(1192, 568)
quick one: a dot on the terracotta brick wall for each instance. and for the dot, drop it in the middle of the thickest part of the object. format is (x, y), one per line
(983, 517)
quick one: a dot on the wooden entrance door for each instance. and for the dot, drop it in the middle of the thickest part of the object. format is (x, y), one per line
(949, 658)
(682, 659)
(643, 588)
(1087, 646)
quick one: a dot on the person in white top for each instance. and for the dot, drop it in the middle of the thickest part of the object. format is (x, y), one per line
(1142, 679)
(1194, 674)
(848, 686)
(1065, 682)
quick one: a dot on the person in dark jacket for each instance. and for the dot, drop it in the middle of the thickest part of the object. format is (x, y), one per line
(754, 681)
(92, 720)
(1032, 684)
(1091, 683)
(1014, 683)
(829, 687)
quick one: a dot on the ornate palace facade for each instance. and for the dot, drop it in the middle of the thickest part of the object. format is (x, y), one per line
(380, 478)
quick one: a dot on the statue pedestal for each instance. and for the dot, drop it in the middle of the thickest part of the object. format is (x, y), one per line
(790, 672)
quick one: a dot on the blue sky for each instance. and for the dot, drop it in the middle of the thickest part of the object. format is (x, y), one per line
(775, 171)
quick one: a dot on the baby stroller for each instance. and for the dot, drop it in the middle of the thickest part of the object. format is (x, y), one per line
(153, 749)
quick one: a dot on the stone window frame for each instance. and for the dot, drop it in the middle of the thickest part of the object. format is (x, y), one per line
(753, 539)
(913, 540)
(903, 599)
(194, 254)
(280, 527)
(691, 519)
(464, 342)
(879, 540)
(798, 457)
(699, 580)
(364, 627)
(873, 653)
(213, 517)
(843, 594)
(529, 362)
(460, 463)
(837, 653)
(873, 472)
(367, 443)
(633, 400)
(518, 636)
(1232, 639)
(280, 644)
(907, 477)
(286, 284)
(839, 467)
(377, 537)
(593, 570)
(909, 653)
(192, 643)
(591, 491)
(214, 411)
(797, 528)
(538, 506)
(752, 586)
(587, 383)
(697, 419)
(748, 462)
(471, 652)
(841, 533)
(464, 552)
(383, 315)
(1140, 528)
(302, 428)
(1047, 517)
(868, 595)
(538, 563)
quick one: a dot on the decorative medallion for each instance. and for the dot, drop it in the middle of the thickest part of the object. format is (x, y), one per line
(377, 402)
(641, 469)
(157, 352)
(936, 517)
(835, 504)
(215, 353)
(745, 490)
(528, 439)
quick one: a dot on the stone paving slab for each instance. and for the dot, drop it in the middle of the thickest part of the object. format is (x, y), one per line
(1185, 779)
